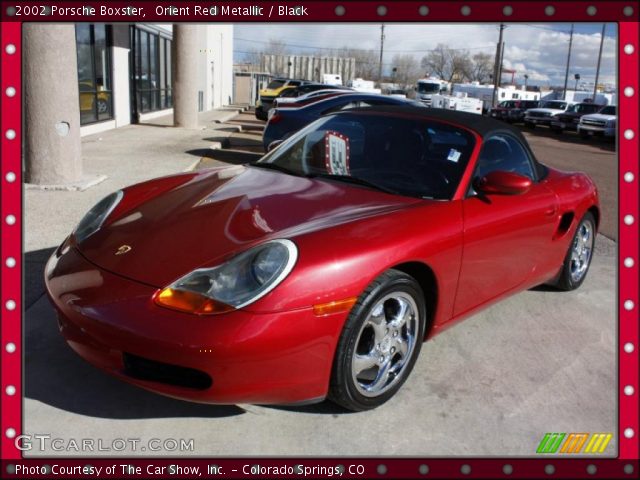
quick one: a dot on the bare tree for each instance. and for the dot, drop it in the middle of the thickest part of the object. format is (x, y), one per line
(407, 70)
(366, 60)
(481, 68)
(445, 62)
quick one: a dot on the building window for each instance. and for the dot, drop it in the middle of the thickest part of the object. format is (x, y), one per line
(152, 71)
(93, 44)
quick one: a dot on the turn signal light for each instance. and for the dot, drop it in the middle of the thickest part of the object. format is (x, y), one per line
(190, 302)
(337, 306)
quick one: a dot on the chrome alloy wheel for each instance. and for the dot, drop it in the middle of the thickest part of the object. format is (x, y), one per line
(385, 344)
(581, 251)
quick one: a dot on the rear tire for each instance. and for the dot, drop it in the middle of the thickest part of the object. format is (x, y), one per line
(380, 342)
(579, 255)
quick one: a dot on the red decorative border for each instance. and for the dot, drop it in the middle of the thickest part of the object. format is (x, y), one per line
(625, 466)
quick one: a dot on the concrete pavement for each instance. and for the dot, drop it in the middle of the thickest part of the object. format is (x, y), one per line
(541, 361)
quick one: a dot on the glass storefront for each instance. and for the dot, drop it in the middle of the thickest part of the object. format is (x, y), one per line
(151, 71)
(94, 72)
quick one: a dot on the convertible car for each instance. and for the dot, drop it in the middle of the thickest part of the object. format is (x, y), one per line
(319, 270)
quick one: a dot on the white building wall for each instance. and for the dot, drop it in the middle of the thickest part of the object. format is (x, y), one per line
(215, 69)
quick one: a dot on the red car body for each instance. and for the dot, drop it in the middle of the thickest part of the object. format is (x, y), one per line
(466, 252)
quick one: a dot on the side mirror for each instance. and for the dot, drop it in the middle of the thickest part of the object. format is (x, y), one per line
(273, 145)
(505, 183)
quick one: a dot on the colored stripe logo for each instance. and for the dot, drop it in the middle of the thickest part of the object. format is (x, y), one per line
(574, 443)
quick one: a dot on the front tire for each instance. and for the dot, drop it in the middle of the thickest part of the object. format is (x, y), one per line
(380, 342)
(579, 255)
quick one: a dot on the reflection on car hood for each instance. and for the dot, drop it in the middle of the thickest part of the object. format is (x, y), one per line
(599, 116)
(218, 214)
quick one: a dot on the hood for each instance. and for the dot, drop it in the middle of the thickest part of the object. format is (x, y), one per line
(220, 213)
(552, 111)
(599, 116)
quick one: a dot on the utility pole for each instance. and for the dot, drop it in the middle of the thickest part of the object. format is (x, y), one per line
(381, 50)
(595, 86)
(566, 73)
(497, 68)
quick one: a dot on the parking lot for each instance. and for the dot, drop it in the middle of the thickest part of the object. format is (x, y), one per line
(541, 361)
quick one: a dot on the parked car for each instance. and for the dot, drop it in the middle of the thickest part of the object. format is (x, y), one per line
(284, 121)
(602, 123)
(319, 270)
(276, 87)
(512, 110)
(314, 96)
(544, 114)
(570, 119)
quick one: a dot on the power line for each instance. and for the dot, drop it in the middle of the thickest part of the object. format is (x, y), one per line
(265, 42)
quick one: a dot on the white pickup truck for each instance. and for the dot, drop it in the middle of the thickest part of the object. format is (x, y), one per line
(602, 123)
(543, 115)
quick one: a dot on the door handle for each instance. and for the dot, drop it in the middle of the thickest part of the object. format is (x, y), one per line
(551, 211)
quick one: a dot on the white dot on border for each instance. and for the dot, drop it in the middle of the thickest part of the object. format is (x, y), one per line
(10, 432)
(628, 177)
(10, 49)
(628, 347)
(507, 11)
(629, 390)
(507, 469)
(549, 469)
(628, 305)
(628, 91)
(591, 10)
(549, 10)
(10, 91)
(10, 304)
(627, 11)
(10, 177)
(628, 134)
(10, 262)
(628, 219)
(381, 11)
(628, 433)
(10, 219)
(423, 10)
(628, 49)
(465, 10)
(628, 262)
(340, 10)
(10, 390)
(11, 347)
(10, 134)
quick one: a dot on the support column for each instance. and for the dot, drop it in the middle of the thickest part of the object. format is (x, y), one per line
(185, 74)
(52, 112)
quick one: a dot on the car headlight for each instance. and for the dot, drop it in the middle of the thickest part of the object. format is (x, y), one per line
(240, 281)
(611, 123)
(94, 218)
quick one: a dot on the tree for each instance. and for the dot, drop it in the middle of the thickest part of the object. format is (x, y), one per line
(366, 61)
(407, 70)
(446, 63)
(481, 68)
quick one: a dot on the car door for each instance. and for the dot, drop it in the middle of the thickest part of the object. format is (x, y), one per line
(504, 235)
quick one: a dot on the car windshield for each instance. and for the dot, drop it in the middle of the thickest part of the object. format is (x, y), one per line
(406, 156)
(583, 108)
(428, 87)
(275, 84)
(555, 104)
(610, 110)
(507, 104)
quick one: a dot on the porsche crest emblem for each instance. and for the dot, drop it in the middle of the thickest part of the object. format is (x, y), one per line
(123, 249)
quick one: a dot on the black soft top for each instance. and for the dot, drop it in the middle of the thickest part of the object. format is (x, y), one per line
(480, 124)
(483, 126)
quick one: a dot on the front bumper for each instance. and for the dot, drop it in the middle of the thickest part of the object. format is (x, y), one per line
(564, 124)
(112, 322)
(597, 131)
(539, 120)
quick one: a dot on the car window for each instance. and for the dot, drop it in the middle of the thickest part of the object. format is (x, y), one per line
(275, 84)
(610, 110)
(504, 153)
(408, 156)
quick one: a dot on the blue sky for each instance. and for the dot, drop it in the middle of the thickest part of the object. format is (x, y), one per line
(539, 50)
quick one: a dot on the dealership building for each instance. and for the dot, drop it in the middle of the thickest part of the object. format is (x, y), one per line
(81, 79)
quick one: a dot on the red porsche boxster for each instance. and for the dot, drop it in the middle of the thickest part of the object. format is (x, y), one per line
(319, 270)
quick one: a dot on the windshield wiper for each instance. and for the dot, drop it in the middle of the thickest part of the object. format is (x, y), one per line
(355, 181)
(275, 166)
